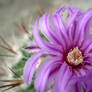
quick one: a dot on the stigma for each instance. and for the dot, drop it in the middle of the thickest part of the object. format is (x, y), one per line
(75, 57)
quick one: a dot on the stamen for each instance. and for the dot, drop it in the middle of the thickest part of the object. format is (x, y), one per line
(75, 57)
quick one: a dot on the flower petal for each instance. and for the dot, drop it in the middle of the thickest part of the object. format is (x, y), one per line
(84, 26)
(43, 73)
(52, 77)
(43, 44)
(88, 82)
(72, 24)
(46, 29)
(29, 68)
(58, 25)
(77, 87)
(88, 48)
(87, 42)
(33, 47)
(71, 10)
(63, 80)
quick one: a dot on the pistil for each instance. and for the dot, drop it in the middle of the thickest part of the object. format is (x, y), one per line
(75, 57)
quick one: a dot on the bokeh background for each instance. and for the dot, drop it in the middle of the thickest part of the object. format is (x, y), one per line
(13, 13)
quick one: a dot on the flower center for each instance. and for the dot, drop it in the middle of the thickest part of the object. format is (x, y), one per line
(75, 57)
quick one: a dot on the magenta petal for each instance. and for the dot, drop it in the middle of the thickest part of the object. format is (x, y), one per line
(37, 37)
(43, 73)
(86, 44)
(89, 48)
(77, 87)
(33, 44)
(70, 23)
(46, 29)
(84, 26)
(85, 20)
(52, 77)
(88, 82)
(43, 44)
(29, 68)
(63, 80)
(57, 24)
(71, 10)
(89, 58)
(33, 47)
